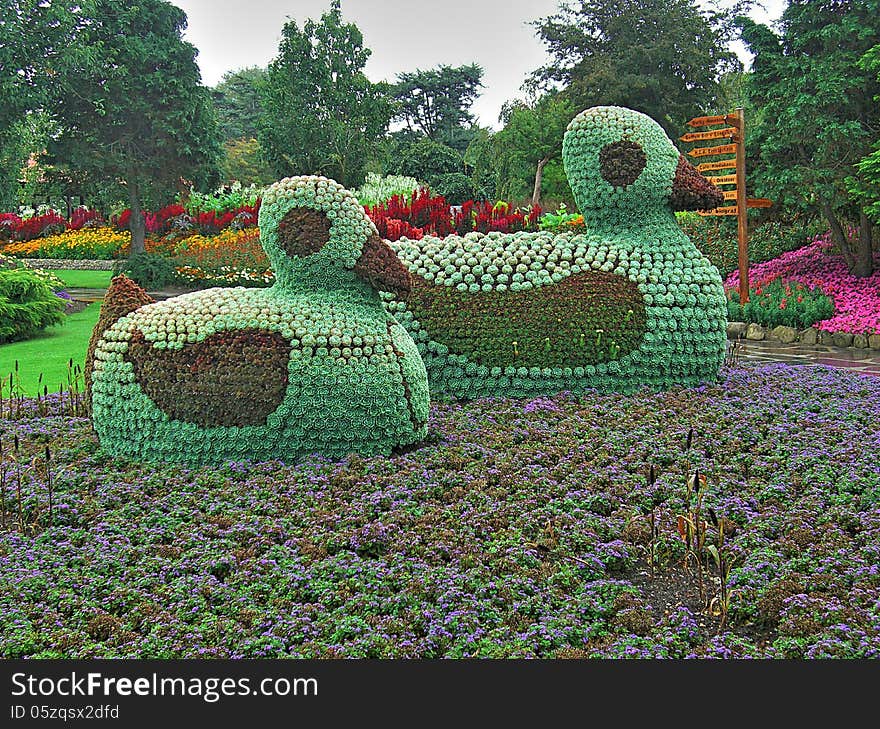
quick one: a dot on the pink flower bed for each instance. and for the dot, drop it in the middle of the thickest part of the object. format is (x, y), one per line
(856, 300)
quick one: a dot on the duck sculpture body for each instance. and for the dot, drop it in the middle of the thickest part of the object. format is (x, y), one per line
(628, 303)
(313, 364)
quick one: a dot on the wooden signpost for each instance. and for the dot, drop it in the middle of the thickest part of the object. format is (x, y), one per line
(736, 131)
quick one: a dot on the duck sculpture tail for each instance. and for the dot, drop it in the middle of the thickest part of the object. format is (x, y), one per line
(123, 297)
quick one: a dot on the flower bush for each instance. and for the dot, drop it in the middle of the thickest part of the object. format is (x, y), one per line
(230, 258)
(425, 214)
(378, 189)
(517, 530)
(781, 303)
(629, 304)
(101, 243)
(856, 300)
(311, 365)
(27, 305)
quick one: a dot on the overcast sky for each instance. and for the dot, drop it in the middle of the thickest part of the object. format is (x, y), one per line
(403, 35)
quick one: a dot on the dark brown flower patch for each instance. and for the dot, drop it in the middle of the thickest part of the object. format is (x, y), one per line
(229, 379)
(622, 162)
(303, 231)
(585, 319)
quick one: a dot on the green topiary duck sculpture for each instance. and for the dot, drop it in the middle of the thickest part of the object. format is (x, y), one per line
(628, 303)
(313, 364)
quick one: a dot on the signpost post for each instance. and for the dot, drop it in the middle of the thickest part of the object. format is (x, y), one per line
(735, 131)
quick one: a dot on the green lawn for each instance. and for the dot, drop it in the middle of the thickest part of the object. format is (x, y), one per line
(50, 352)
(83, 279)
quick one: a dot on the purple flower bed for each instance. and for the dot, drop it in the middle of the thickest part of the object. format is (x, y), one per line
(518, 529)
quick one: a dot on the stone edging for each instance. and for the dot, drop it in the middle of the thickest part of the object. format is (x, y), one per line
(811, 335)
(86, 264)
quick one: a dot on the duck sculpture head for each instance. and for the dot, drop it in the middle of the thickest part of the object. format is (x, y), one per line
(623, 169)
(317, 238)
(313, 364)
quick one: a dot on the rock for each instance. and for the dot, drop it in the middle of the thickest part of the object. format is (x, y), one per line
(826, 338)
(784, 334)
(842, 339)
(736, 329)
(860, 341)
(755, 332)
(874, 341)
(809, 336)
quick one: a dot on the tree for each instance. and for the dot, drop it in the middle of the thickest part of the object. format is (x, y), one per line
(818, 114)
(239, 103)
(35, 42)
(243, 161)
(660, 57)
(322, 114)
(534, 133)
(436, 102)
(132, 108)
(867, 187)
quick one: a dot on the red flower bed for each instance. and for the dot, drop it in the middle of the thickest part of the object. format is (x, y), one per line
(423, 214)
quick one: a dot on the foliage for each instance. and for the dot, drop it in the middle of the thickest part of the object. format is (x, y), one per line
(455, 187)
(27, 305)
(47, 277)
(867, 186)
(533, 135)
(238, 103)
(232, 198)
(152, 271)
(560, 220)
(819, 117)
(781, 302)
(663, 58)
(716, 237)
(820, 264)
(427, 160)
(313, 365)
(378, 189)
(245, 163)
(131, 108)
(435, 102)
(322, 114)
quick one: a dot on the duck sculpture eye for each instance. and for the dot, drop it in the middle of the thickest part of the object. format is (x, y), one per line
(622, 162)
(303, 231)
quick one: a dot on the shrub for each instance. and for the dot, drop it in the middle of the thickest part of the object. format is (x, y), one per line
(781, 303)
(378, 189)
(427, 160)
(27, 305)
(149, 270)
(716, 238)
(456, 187)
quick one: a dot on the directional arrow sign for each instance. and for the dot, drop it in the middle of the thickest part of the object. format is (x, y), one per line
(724, 164)
(708, 121)
(709, 151)
(714, 134)
(759, 202)
(732, 210)
(723, 180)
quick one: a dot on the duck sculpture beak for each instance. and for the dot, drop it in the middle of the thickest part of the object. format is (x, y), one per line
(380, 267)
(692, 191)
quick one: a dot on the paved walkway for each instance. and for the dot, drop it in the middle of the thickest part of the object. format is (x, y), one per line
(865, 361)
